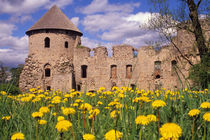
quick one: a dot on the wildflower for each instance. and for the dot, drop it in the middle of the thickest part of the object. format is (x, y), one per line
(3, 93)
(114, 114)
(158, 103)
(205, 105)
(142, 120)
(170, 131)
(194, 112)
(113, 135)
(6, 118)
(151, 118)
(60, 118)
(67, 111)
(42, 122)
(93, 113)
(88, 137)
(17, 136)
(99, 103)
(63, 125)
(206, 116)
(37, 114)
(85, 106)
(44, 109)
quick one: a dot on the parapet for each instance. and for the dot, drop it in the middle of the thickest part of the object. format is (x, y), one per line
(100, 51)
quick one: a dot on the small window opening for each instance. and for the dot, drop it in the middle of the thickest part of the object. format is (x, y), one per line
(135, 53)
(47, 72)
(128, 71)
(49, 88)
(66, 44)
(133, 86)
(84, 71)
(78, 87)
(173, 66)
(157, 76)
(113, 71)
(157, 68)
(47, 42)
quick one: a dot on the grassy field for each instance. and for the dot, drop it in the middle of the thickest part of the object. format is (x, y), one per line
(121, 113)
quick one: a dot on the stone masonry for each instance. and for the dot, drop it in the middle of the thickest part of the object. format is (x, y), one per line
(65, 64)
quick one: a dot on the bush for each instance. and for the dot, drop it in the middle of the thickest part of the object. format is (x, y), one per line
(9, 88)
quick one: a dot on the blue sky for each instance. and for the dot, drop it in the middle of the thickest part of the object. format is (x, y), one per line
(103, 22)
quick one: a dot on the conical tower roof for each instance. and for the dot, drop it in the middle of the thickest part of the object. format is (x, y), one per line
(54, 19)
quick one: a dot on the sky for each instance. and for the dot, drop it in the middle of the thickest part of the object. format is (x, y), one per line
(102, 22)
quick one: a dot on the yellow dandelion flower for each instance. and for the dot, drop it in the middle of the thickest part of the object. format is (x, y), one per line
(67, 111)
(99, 103)
(142, 120)
(113, 135)
(54, 114)
(206, 116)
(85, 106)
(60, 118)
(44, 109)
(42, 122)
(6, 118)
(158, 103)
(88, 137)
(93, 113)
(63, 125)
(37, 114)
(170, 131)
(194, 112)
(205, 105)
(114, 114)
(3, 93)
(151, 118)
(17, 136)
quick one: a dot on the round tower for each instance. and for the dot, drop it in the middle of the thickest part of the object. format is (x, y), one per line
(51, 48)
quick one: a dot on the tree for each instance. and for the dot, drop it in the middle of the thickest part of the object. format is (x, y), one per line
(16, 74)
(3, 73)
(182, 15)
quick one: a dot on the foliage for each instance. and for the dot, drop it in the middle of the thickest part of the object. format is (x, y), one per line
(9, 88)
(16, 74)
(3, 73)
(129, 104)
(200, 74)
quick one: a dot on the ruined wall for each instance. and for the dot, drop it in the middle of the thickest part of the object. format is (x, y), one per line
(58, 58)
(99, 67)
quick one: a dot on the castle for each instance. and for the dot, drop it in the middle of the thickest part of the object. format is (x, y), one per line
(56, 60)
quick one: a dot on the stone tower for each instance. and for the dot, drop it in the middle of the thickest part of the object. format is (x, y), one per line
(52, 41)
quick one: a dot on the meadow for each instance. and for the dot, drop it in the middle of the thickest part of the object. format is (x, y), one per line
(121, 113)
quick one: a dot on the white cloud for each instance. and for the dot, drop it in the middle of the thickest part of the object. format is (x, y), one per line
(13, 50)
(104, 6)
(75, 20)
(19, 7)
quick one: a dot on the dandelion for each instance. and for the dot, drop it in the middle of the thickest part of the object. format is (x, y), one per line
(151, 118)
(194, 112)
(206, 116)
(114, 114)
(158, 103)
(93, 113)
(113, 135)
(142, 120)
(205, 105)
(6, 118)
(170, 131)
(60, 118)
(63, 126)
(68, 111)
(37, 115)
(3, 93)
(44, 109)
(17, 136)
(88, 137)
(42, 122)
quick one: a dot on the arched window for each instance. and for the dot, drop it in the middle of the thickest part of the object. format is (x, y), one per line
(157, 68)
(47, 72)
(49, 88)
(173, 66)
(113, 71)
(128, 71)
(47, 42)
(66, 44)
(84, 71)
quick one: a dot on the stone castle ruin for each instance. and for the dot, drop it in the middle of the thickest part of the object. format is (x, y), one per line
(56, 60)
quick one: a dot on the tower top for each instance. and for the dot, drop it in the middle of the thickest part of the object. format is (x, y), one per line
(54, 19)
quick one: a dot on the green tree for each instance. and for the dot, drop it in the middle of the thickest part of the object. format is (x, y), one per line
(16, 74)
(3, 73)
(183, 15)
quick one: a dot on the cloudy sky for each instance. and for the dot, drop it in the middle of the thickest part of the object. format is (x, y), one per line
(103, 22)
